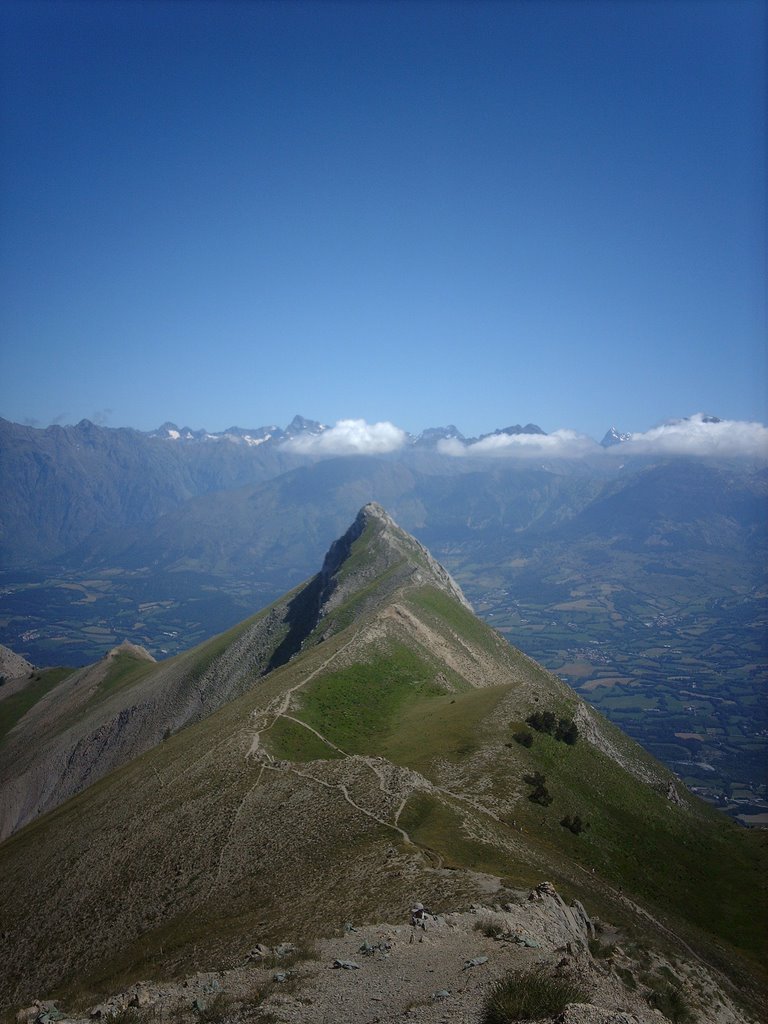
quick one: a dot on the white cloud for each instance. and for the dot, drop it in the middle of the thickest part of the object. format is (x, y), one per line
(697, 435)
(558, 444)
(350, 437)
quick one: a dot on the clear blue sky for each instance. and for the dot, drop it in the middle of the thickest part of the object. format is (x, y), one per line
(482, 213)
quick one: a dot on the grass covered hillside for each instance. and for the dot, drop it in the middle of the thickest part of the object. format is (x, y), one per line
(397, 748)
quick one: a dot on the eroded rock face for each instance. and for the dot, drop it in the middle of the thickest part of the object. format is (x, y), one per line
(12, 665)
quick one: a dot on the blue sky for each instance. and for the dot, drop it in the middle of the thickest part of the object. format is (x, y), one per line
(422, 213)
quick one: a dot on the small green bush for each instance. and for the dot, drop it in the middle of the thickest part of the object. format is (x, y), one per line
(564, 730)
(524, 738)
(127, 1015)
(542, 721)
(530, 995)
(567, 731)
(541, 795)
(574, 824)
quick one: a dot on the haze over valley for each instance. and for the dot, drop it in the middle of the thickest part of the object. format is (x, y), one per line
(637, 575)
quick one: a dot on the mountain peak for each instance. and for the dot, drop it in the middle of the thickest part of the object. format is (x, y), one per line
(613, 436)
(373, 545)
(12, 665)
(132, 650)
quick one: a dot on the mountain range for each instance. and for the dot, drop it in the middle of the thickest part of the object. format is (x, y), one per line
(64, 484)
(362, 742)
(641, 581)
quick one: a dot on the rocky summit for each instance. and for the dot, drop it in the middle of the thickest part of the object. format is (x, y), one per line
(343, 809)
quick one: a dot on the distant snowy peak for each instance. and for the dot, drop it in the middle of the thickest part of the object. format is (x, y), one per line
(299, 425)
(429, 438)
(613, 437)
(529, 428)
(251, 437)
(172, 432)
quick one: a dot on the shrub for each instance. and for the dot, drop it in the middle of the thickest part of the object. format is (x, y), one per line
(541, 795)
(542, 721)
(567, 731)
(530, 995)
(564, 729)
(215, 1010)
(126, 1015)
(524, 738)
(535, 779)
(627, 977)
(575, 824)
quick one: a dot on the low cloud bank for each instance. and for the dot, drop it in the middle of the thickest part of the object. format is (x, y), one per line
(351, 437)
(559, 444)
(699, 435)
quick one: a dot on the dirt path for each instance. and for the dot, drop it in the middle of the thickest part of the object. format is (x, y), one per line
(279, 707)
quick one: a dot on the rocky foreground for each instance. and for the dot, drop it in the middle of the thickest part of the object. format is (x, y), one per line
(434, 969)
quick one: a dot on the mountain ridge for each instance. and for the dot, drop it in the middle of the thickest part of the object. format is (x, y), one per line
(378, 760)
(103, 715)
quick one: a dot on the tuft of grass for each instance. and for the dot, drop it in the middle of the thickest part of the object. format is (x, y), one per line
(298, 955)
(670, 1000)
(627, 977)
(13, 708)
(489, 929)
(215, 1011)
(530, 995)
(601, 950)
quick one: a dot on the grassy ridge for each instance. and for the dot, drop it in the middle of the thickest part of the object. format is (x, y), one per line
(14, 707)
(358, 705)
(697, 865)
(448, 612)
(289, 741)
(124, 670)
(447, 726)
